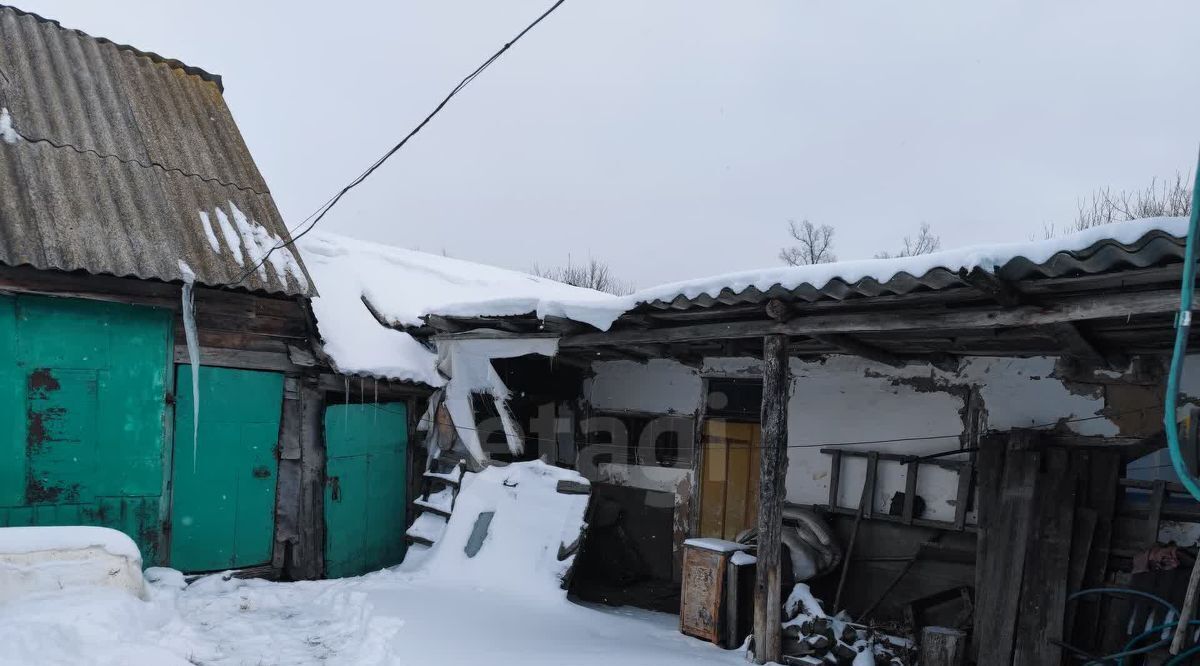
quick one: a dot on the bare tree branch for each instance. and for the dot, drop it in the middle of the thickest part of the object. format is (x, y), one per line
(595, 274)
(815, 244)
(924, 243)
(1162, 198)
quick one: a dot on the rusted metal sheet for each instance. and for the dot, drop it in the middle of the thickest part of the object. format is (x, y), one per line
(703, 589)
(121, 157)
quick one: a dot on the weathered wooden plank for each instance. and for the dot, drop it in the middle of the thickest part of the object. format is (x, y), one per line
(771, 490)
(947, 525)
(835, 476)
(953, 465)
(1073, 308)
(309, 561)
(1043, 593)
(1158, 496)
(854, 347)
(288, 492)
(870, 484)
(239, 358)
(1005, 526)
(963, 497)
(1102, 476)
(910, 490)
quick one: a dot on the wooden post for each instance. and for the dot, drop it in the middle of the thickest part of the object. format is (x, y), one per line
(1186, 611)
(773, 470)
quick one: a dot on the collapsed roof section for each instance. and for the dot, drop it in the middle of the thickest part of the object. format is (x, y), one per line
(374, 295)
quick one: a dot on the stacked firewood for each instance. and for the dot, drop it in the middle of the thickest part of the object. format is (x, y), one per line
(811, 637)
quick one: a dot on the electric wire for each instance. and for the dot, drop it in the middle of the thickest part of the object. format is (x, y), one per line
(324, 208)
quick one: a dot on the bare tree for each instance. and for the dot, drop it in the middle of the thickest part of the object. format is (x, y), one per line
(1162, 198)
(594, 274)
(923, 243)
(815, 244)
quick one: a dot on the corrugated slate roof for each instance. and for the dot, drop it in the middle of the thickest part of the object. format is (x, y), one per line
(1156, 247)
(120, 152)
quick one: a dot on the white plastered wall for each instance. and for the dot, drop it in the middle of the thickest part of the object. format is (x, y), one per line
(847, 399)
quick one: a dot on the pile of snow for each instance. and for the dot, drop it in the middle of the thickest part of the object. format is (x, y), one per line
(602, 314)
(387, 618)
(36, 560)
(531, 525)
(403, 286)
(345, 271)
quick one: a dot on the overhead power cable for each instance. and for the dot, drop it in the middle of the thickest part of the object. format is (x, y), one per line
(324, 208)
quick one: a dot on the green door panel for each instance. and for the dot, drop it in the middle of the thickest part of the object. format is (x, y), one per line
(82, 413)
(365, 489)
(223, 481)
(346, 516)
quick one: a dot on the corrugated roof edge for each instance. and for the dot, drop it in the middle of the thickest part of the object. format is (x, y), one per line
(1154, 246)
(171, 62)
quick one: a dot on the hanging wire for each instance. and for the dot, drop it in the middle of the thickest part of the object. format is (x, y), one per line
(897, 440)
(324, 208)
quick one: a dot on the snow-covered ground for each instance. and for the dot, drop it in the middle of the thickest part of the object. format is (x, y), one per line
(502, 604)
(388, 617)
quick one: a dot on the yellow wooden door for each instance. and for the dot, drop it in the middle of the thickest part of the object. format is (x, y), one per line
(729, 481)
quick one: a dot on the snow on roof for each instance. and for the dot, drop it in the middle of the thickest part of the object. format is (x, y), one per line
(405, 285)
(989, 257)
(602, 314)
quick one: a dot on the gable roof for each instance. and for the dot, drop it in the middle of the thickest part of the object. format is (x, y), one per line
(125, 163)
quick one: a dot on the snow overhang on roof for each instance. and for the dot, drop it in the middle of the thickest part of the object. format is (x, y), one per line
(1135, 244)
(1105, 249)
(373, 295)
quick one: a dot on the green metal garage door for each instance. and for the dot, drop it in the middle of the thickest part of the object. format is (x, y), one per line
(223, 485)
(82, 415)
(365, 487)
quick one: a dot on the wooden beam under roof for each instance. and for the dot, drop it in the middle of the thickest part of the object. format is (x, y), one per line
(1066, 333)
(782, 312)
(856, 347)
(1065, 309)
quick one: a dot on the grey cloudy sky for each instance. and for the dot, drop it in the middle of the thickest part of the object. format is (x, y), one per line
(675, 138)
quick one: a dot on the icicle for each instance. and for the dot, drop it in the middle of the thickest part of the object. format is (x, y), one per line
(346, 420)
(375, 402)
(362, 394)
(193, 347)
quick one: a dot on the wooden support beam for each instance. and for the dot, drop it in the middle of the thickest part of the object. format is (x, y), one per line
(1070, 338)
(239, 358)
(383, 321)
(1066, 309)
(773, 461)
(1066, 334)
(856, 347)
(442, 324)
(997, 289)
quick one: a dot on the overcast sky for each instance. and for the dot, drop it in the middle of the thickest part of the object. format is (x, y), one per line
(676, 138)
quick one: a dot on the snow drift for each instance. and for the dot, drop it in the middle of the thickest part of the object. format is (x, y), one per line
(526, 546)
(49, 559)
